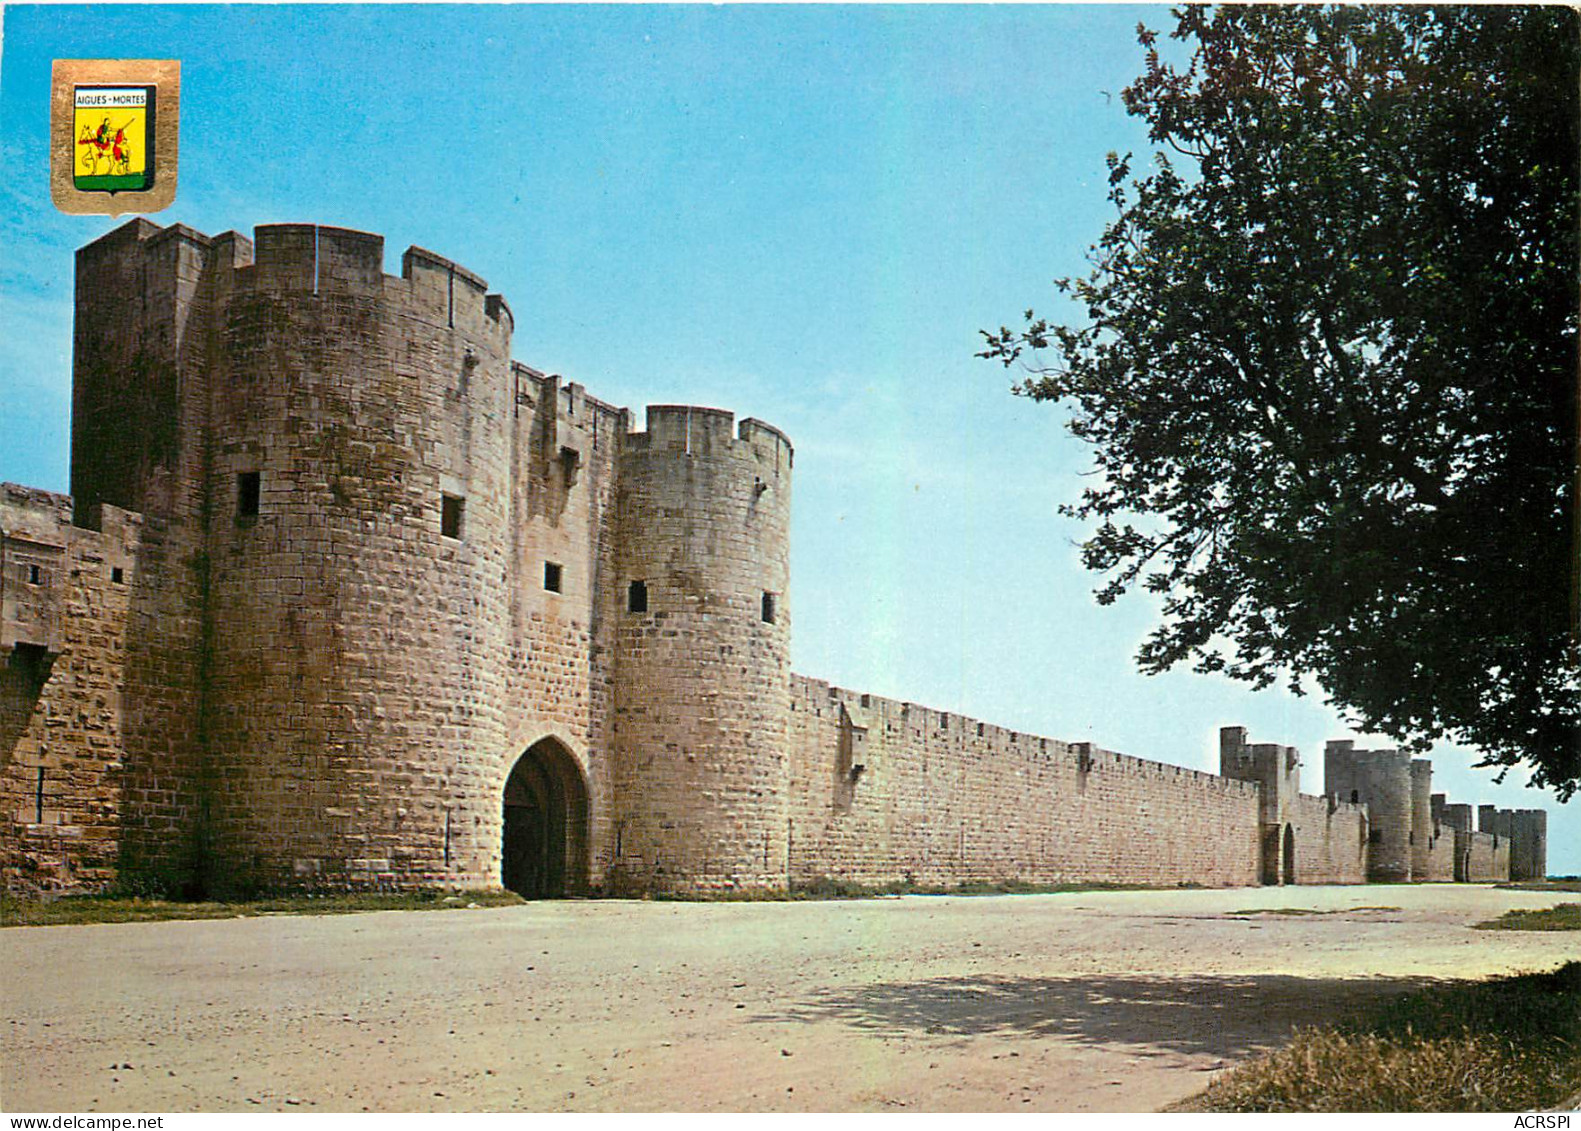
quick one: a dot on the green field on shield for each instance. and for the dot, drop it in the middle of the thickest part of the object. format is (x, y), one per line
(121, 183)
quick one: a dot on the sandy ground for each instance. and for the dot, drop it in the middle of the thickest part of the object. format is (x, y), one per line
(1114, 1001)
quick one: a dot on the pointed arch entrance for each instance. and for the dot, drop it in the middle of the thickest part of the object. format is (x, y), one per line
(1290, 855)
(544, 853)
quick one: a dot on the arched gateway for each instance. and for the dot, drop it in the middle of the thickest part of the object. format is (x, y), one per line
(544, 854)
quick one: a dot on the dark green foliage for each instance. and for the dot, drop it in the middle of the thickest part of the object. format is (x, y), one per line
(1327, 366)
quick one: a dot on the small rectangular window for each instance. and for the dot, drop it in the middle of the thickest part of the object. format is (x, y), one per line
(451, 508)
(248, 490)
(117, 575)
(637, 597)
(35, 576)
(768, 608)
(551, 576)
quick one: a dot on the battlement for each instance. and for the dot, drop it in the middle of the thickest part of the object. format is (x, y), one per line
(40, 551)
(230, 250)
(34, 513)
(1344, 750)
(116, 240)
(149, 236)
(712, 433)
(1456, 818)
(322, 259)
(974, 738)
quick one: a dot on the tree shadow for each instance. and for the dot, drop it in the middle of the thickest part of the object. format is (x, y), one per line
(1228, 1016)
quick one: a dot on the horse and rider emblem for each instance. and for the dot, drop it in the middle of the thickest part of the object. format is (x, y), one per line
(113, 131)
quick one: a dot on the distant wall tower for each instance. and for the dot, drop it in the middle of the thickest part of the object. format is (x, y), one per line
(1383, 781)
(702, 671)
(1529, 844)
(1277, 770)
(1421, 834)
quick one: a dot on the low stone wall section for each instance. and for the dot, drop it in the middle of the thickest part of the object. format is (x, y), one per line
(1440, 857)
(1330, 841)
(884, 791)
(60, 709)
(1487, 858)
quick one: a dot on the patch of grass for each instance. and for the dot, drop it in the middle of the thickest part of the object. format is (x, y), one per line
(1306, 910)
(827, 887)
(1552, 883)
(1507, 1044)
(140, 906)
(1280, 911)
(1563, 917)
(69, 909)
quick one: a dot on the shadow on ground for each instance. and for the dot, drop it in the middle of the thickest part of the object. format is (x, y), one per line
(1229, 1016)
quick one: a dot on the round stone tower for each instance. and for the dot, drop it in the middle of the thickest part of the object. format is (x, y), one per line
(358, 540)
(1421, 834)
(1385, 777)
(702, 666)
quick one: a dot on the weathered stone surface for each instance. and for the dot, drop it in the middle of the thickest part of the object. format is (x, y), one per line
(345, 597)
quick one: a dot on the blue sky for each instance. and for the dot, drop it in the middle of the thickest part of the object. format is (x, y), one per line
(804, 214)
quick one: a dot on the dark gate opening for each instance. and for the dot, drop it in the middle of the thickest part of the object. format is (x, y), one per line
(1270, 856)
(544, 854)
(1290, 855)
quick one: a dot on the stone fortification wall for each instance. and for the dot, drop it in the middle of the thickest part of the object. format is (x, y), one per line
(1524, 832)
(1439, 867)
(64, 596)
(1330, 841)
(345, 597)
(1486, 857)
(702, 675)
(884, 791)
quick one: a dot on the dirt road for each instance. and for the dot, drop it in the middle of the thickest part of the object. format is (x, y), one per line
(1109, 1001)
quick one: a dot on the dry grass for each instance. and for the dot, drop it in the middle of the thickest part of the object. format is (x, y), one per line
(1509, 1044)
(1564, 917)
(72, 909)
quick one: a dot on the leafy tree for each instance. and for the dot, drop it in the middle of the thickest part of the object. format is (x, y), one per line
(1328, 366)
